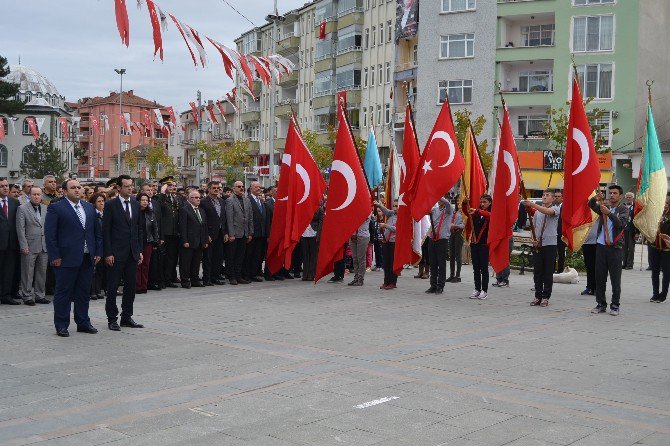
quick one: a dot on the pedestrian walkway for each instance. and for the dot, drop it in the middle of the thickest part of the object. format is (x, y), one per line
(296, 364)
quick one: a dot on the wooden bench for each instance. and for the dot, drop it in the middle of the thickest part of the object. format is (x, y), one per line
(523, 247)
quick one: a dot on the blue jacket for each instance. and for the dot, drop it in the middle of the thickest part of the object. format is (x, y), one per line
(65, 236)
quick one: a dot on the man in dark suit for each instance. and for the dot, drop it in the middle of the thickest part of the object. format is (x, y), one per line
(258, 244)
(194, 239)
(9, 244)
(215, 210)
(240, 227)
(155, 270)
(122, 248)
(170, 204)
(74, 246)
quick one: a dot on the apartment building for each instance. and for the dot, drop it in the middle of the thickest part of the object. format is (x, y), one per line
(616, 45)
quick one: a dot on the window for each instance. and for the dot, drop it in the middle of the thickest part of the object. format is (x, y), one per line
(365, 116)
(323, 83)
(26, 127)
(381, 33)
(348, 77)
(389, 28)
(101, 121)
(537, 35)
(595, 80)
(365, 77)
(125, 146)
(27, 150)
(415, 54)
(3, 156)
(101, 146)
(372, 76)
(321, 123)
(593, 33)
(366, 39)
(388, 72)
(373, 34)
(5, 125)
(590, 2)
(605, 134)
(532, 125)
(458, 5)
(460, 91)
(380, 74)
(179, 162)
(457, 45)
(347, 6)
(379, 114)
(349, 38)
(387, 114)
(539, 80)
(101, 161)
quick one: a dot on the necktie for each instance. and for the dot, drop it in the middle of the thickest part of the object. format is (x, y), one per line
(197, 215)
(37, 210)
(5, 209)
(127, 203)
(83, 223)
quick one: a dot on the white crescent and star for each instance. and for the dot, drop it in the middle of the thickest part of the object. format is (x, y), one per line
(348, 174)
(305, 179)
(450, 143)
(426, 166)
(285, 159)
(509, 162)
(583, 144)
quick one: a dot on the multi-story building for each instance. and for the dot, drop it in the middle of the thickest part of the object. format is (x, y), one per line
(456, 58)
(99, 149)
(43, 103)
(616, 48)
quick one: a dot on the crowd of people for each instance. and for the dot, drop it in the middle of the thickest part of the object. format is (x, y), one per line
(82, 243)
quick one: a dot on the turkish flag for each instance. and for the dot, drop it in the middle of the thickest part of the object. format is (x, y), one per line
(262, 70)
(404, 251)
(474, 181)
(274, 259)
(122, 22)
(210, 109)
(95, 124)
(248, 78)
(195, 112)
(441, 165)
(322, 30)
(581, 174)
(505, 207)
(156, 26)
(305, 192)
(349, 202)
(33, 127)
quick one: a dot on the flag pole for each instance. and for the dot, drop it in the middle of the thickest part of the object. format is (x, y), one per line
(522, 185)
(353, 139)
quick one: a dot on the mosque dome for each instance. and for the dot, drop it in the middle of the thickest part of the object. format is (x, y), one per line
(31, 80)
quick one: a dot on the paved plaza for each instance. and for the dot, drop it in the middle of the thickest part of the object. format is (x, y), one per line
(290, 363)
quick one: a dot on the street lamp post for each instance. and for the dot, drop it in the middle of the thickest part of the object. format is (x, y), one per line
(274, 19)
(121, 72)
(197, 150)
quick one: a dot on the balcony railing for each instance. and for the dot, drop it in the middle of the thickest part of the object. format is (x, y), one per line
(251, 108)
(318, 94)
(348, 49)
(402, 66)
(349, 11)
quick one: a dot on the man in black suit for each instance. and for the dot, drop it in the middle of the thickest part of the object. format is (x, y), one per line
(155, 270)
(258, 244)
(74, 245)
(9, 243)
(215, 210)
(240, 229)
(170, 204)
(194, 239)
(122, 248)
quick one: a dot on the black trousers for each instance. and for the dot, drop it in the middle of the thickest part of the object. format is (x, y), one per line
(438, 262)
(297, 260)
(16, 280)
(480, 265)
(236, 255)
(544, 260)
(98, 284)
(608, 262)
(156, 268)
(379, 253)
(503, 275)
(125, 269)
(255, 254)
(589, 252)
(628, 249)
(560, 255)
(338, 268)
(170, 261)
(455, 257)
(7, 265)
(211, 260)
(189, 264)
(425, 252)
(388, 255)
(308, 245)
(660, 263)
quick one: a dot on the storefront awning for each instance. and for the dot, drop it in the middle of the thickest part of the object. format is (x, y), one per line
(543, 179)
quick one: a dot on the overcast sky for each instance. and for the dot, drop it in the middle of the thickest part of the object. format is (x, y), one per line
(76, 45)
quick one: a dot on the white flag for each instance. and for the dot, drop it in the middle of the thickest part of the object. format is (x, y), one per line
(106, 119)
(159, 117)
(11, 122)
(40, 123)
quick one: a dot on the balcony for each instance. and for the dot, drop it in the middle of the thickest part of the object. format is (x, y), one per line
(285, 107)
(289, 80)
(250, 116)
(405, 71)
(280, 143)
(288, 44)
(527, 82)
(535, 30)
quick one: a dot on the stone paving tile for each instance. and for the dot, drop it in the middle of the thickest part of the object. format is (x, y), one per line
(478, 419)
(95, 436)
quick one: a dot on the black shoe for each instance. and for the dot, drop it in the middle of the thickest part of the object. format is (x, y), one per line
(599, 309)
(197, 284)
(450, 279)
(30, 303)
(654, 299)
(256, 279)
(660, 300)
(586, 292)
(297, 275)
(94, 297)
(269, 279)
(112, 325)
(207, 283)
(154, 288)
(172, 285)
(430, 290)
(278, 277)
(439, 291)
(288, 276)
(336, 279)
(186, 285)
(87, 329)
(130, 323)
(243, 281)
(10, 302)
(42, 301)
(456, 279)
(63, 333)
(219, 282)
(233, 282)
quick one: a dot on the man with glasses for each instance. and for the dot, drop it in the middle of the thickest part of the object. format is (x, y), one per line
(9, 244)
(214, 208)
(194, 238)
(240, 230)
(170, 205)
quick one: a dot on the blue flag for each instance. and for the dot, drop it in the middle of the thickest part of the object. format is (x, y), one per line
(372, 164)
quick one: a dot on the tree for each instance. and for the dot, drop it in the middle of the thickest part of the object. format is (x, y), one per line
(8, 91)
(557, 127)
(43, 158)
(322, 154)
(157, 157)
(234, 157)
(463, 121)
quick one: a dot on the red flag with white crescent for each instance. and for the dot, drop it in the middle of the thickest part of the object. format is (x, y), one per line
(440, 167)
(227, 62)
(195, 112)
(348, 203)
(147, 121)
(210, 109)
(505, 208)
(581, 174)
(122, 22)
(170, 111)
(181, 31)
(322, 30)
(156, 25)
(95, 124)
(248, 78)
(33, 127)
(262, 70)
